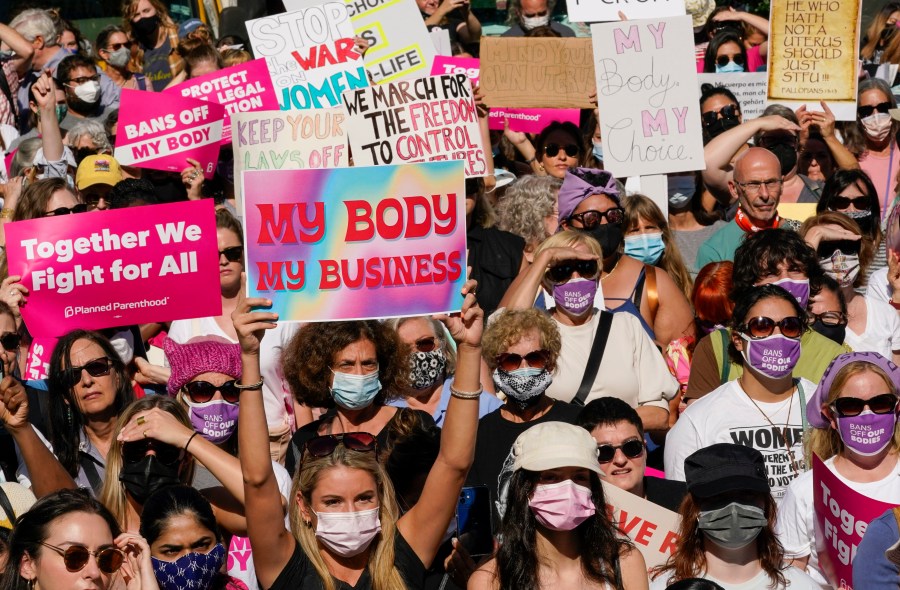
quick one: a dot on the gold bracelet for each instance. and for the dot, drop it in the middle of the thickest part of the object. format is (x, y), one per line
(251, 386)
(466, 394)
(6, 213)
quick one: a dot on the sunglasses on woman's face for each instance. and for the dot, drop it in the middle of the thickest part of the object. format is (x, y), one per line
(323, 446)
(426, 344)
(233, 253)
(868, 110)
(828, 248)
(552, 149)
(729, 111)
(630, 448)
(201, 392)
(829, 318)
(79, 208)
(562, 272)
(723, 60)
(10, 340)
(117, 46)
(536, 359)
(862, 202)
(591, 219)
(848, 407)
(75, 557)
(95, 368)
(763, 327)
(135, 451)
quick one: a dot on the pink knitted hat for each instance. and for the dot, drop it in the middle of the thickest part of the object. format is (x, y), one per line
(206, 355)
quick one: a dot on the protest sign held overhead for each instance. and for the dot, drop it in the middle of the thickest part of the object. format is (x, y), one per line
(597, 11)
(420, 120)
(240, 88)
(162, 133)
(456, 65)
(648, 96)
(537, 72)
(311, 55)
(86, 275)
(814, 55)
(356, 243)
(531, 120)
(749, 89)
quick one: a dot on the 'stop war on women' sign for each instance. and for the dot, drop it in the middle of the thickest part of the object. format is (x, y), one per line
(86, 275)
(647, 96)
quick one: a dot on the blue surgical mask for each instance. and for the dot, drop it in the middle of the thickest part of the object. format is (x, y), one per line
(648, 248)
(191, 570)
(598, 151)
(355, 392)
(729, 68)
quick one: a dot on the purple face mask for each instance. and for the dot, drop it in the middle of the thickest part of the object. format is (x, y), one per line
(215, 420)
(799, 288)
(774, 356)
(575, 296)
(867, 434)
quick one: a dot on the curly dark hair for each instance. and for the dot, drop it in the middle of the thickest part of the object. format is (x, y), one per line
(308, 358)
(517, 560)
(764, 251)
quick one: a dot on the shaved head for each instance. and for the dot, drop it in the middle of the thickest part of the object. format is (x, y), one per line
(757, 184)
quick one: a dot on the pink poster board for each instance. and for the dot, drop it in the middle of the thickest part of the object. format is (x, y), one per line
(531, 120)
(444, 64)
(161, 264)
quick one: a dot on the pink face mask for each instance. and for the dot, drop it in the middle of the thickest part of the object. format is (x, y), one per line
(562, 506)
(348, 533)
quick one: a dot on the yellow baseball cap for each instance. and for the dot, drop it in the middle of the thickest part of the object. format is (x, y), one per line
(100, 169)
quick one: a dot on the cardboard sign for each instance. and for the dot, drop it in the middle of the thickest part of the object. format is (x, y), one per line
(356, 243)
(841, 518)
(814, 53)
(531, 120)
(748, 88)
(311, 55)
(240, 88)
(537, 72)
(652, 528)
(596, 11)
(273, 140)
(456, 65)
(647, 96)
(419, 120)
(161, 132)
(81, 274)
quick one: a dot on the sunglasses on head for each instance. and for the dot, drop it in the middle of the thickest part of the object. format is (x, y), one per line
(552, 149)
(828, 248)
(536, 359)
(723, 60)
(10, 340)
(79, 208)
(848, 407)
(135, 451)
(426, 344)
(868, 110)
(232, 253)
(95, 368)
(75, 557)
(591, 219)
(563, 271)
(763, 327)
(201, 392)
(862, 202)
(323, 446)
(729, 111)
(630, 448)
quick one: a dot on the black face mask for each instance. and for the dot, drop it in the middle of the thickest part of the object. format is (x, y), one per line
(146, 476)
(82, 153)
(786, 154)
(887, 32)
(609, 235)
(146, 27)
(833, 333)
(721, 125)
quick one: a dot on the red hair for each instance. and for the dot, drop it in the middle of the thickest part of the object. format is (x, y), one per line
(710, 295)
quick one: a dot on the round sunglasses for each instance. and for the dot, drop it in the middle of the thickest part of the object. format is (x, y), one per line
(201, 392)
(562, 272)
(536, 359)
(630, 448)
(75, 557)
(323, 446)
(723, 60)
(591, 219)
(849, 407)
(95, 368)
(763, 327)
(232, 253)
(135, 451)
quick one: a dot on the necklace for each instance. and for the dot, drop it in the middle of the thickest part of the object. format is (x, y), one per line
(781, 432)
(615, 266)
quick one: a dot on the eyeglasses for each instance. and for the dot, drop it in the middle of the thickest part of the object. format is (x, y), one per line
(829, 318)
(868, 110)
(729, 111)
(763, 327)
(135, 451)
(848, 407)
(79, 208)
(828, 248)
(232, 253)
(323, 446)
(752, 188)
(426, 344)
(723, 60)
(92, 200)
(563, 271)
(10, 340)
(109, 559)
(117, 46)
(862, 202)
(83, 80)
(536, 359)
(630, 448)
(95, 368)
(552, 149)
(591, 219)
(201, 392)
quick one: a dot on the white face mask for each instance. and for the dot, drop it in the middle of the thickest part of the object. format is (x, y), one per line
(348, 533)
(877, 126)
(88, 92)
(533, 22)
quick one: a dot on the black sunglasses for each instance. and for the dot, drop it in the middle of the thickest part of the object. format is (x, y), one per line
(862, 202)
(117, 46)
(75, 557)
(323, 446)
(828, 248)
(763, 327)
(232, 253)
(536, 359)
(201, 392)
(630, 448)
(729, 111)
(723, 60)
(848, 407)
(591, 219)
(563, 271)
(135, 451)
(95, 368)
(868, 110)
(552, 149)
(79, 208)
(10, 340)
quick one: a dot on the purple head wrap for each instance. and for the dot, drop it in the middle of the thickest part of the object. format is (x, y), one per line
(581, 183)
(814, 405)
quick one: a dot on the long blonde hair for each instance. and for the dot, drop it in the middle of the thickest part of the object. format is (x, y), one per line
(385, 575)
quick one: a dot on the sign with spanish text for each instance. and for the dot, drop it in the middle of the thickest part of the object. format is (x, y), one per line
(421, 120)
(162, 131)
(456, 65)
(537, 72)
(82, 274)
(749, 89)
(652, 528)
(647, 96)
(842, 516)
(240, 88)
(814, 54)
(598, 11)
(356, 243)
(531, 120)
(311, 55)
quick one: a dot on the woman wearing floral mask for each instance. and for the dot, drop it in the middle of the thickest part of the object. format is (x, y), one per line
(555, 529)
(858, 391)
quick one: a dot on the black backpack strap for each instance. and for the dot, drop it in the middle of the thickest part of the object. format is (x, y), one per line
(593, 363)
(90, 471)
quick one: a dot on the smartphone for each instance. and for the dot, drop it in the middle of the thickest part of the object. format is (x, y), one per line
(473, 520)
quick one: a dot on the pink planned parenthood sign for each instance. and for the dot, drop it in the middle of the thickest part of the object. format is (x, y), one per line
(160, 264)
